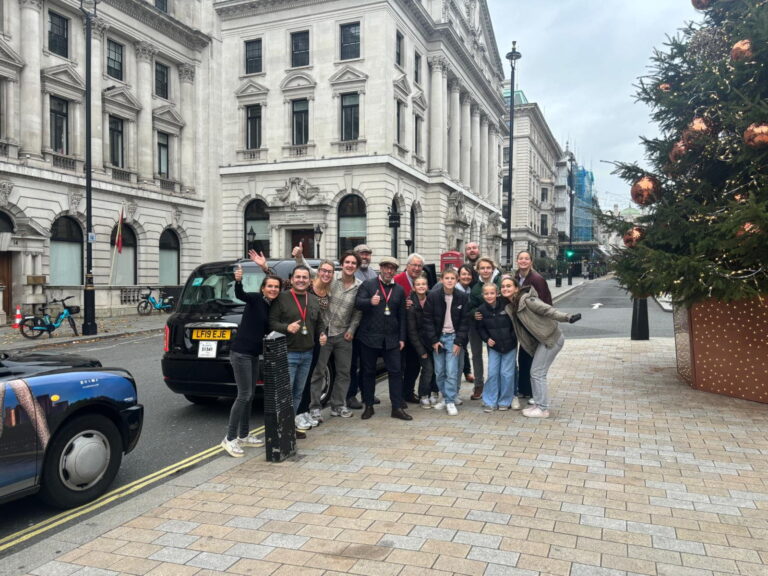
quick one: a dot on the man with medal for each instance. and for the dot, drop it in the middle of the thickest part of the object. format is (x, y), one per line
(382, 332)
(296, 313)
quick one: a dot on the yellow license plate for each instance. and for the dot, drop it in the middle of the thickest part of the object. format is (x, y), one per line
(210, 334)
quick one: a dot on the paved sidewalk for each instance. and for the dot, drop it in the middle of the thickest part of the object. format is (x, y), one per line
(635, 473)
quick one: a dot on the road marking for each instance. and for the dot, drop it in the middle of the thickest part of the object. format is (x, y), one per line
(116, 494)
(596, 305)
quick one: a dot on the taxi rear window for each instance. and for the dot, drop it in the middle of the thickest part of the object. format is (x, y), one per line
(216, 287)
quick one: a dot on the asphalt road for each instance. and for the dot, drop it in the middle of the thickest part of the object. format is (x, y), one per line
(173, 429)
(606, 312)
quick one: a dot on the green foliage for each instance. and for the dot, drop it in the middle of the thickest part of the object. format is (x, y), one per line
(707, 236)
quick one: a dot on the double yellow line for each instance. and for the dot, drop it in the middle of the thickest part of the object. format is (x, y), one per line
(116, 494)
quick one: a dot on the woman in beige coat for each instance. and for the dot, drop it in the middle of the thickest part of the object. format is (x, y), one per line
(535, 324)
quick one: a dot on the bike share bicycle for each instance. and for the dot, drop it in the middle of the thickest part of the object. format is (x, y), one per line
(33, 326)
(149, 303)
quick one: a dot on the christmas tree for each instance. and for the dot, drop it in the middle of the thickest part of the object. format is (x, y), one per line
(704, 232)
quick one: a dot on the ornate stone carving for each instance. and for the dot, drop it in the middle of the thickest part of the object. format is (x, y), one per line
(176, 215)
(187, 73)
(457, 211)
(494, 227)
(297, 191)
(454, 85)
(437, 62)
(75, 197)
(6, 187)
(130, 210)
(98, 27)
(35, 4)
(145, 51)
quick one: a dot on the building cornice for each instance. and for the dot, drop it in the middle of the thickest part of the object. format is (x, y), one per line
(171, 28)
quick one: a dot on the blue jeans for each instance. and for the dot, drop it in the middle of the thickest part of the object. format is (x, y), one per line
(500, 384)
(299, 364)
(447, 369)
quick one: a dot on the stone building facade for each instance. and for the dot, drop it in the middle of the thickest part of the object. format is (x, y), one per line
(369, 121)
(220, 125)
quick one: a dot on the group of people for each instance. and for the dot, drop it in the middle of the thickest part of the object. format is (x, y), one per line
(421, 334)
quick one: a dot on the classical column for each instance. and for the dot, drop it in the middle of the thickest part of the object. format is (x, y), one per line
(446, 110)
(483, 191)
(29, 80)
(455, 142)
(474, 169)
(98, 28)
(46, 134)
(436, 115)
(10, 107)
(145, 53)
(188, 132)
(493, 169)
(129, 128)
(466, 138)
(77, 130)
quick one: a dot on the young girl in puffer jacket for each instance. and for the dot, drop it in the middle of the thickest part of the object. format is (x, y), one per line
(495, 329)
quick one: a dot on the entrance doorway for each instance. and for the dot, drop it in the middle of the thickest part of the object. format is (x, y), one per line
(307, 238)
(6, 279)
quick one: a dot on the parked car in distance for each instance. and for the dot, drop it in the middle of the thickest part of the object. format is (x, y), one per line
(23, 364)
(63, 432)
(199, 332)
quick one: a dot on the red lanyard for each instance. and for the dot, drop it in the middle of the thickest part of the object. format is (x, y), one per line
(386, 296)
(302, 311)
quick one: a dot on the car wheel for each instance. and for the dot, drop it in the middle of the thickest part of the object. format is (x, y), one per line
(81, 461)
(27, 328)
(144, 308)
(329, 378)
(201, 400)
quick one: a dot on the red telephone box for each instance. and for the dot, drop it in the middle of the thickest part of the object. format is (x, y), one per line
(451, 258)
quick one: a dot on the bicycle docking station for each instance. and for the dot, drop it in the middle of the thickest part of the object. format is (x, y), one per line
(279, 413)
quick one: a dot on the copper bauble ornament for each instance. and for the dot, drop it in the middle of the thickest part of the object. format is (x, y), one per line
(742, 51)
(633, 236)
(678, 151)
(695, 130)
(747, 228)
(756, 135)
(701, 4)
(665, 87)
(645, 191)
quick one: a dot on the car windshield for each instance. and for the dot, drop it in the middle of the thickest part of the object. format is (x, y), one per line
(214, 286)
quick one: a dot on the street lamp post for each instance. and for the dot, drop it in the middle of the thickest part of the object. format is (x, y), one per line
(89, 328)
(394, 223)
(251, 240)
(571, 196)
(513, 56)
(318, 237)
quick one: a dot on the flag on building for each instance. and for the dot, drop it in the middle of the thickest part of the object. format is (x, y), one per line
(119, 236)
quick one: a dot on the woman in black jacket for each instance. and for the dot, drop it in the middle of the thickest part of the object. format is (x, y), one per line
(415, 316)
(496, 330)
(244, 356)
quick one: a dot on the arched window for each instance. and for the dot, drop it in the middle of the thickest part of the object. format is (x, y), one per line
(256, 228)
(169, 258)
(352, 223)
(124, 264)
(6, 223)
(413, 229)
(66, 252)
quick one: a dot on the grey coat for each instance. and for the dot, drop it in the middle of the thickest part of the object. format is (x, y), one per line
(535, 321)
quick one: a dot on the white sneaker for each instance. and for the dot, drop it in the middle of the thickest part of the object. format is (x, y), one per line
(536, 412)
(316, 414)
(434, 398)
(342, 412)
(488, 409)
(250, 442)
(309, 420)
(439, 406)
(503, 408)
(425, 403)
(515, 403)
(232, 447)
(451, 408)
(301, 424)
(458, 401)
(531, 401)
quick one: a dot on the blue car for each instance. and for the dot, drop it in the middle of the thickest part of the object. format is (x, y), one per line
(63, 432)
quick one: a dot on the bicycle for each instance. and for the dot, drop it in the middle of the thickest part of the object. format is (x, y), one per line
(149, 303)
(33, 326)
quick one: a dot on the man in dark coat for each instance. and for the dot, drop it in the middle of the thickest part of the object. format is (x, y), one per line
(382, 332)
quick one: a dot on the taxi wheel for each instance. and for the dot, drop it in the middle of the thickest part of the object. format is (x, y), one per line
(81, 461)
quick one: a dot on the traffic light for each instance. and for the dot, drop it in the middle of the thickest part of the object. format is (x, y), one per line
(569, 254)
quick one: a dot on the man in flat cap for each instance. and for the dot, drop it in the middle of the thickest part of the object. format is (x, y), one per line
(382, 332)
(364, 271)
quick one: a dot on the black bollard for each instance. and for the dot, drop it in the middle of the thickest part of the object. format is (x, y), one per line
(640, 319)
(558, 280)
(279, 423)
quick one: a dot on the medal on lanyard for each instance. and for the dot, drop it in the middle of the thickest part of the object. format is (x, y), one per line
(386, 299)
(302, 312)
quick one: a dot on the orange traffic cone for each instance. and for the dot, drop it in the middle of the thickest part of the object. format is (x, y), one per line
(17, 320)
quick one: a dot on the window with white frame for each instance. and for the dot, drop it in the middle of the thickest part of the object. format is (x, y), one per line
(253, 127)
(400, 121)
(253, 56)
(300, 122)
(116, 143)
(66, 262)
(58, 34)
(350, 116)
(418, 123)
(115, 59)
(162, 76)
(417, 68)
(399, 41)
(163, 154)
(59, 125)
(169, 258)
(350, 41)
(300, 49)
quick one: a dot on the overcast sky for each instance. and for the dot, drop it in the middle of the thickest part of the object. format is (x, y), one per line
(580, 60)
